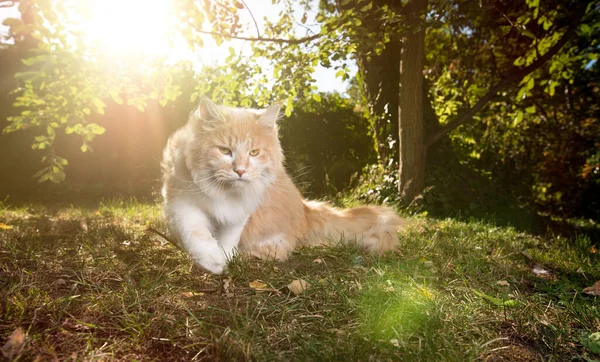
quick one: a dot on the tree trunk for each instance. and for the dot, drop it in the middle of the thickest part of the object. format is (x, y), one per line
(411, 130)
(380, 78)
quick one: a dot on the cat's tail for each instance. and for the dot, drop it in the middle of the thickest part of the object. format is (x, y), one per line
(372, 227)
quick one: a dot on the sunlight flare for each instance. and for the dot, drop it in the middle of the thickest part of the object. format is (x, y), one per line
(131, 28)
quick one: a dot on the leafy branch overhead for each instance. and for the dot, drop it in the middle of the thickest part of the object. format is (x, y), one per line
(475, 54)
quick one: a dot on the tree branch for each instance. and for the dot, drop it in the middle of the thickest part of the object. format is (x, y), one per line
(514, 76)
(253, 19)
(272, 40)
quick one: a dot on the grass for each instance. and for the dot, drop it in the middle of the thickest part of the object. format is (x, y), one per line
(88, 283)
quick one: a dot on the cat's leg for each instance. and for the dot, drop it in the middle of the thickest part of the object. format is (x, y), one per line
(193, 229)
(229, 237)
(276, 246)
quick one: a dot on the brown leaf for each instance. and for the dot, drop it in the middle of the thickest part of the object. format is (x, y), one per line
(503, 283)
(257, 284)
(186, 295)
(74, 325)
(298, 286)
(318, 261)
(225, 285)
(593, 290)
(15, 344)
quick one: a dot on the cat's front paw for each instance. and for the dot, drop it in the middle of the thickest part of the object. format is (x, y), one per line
(210, 257)
(211, 266)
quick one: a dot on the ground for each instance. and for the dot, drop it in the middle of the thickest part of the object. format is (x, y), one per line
(89, 283)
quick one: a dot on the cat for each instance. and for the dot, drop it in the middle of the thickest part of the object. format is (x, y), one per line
(226, 191)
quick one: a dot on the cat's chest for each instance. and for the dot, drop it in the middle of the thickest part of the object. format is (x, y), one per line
(229, 210)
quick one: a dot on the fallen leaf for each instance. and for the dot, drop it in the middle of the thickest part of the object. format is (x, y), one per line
(503, 283)
(226, 285)
(539, 271)
(318, 260)
(395, 342)
(298, 286)
(74, 325)
(257, 284)
(190, 294)
(593, 290)
(3, 226)
(14, 345)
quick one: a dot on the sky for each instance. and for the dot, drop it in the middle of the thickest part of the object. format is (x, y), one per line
(211, 54)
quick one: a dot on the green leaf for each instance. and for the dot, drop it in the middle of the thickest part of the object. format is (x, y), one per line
(316, 97)
(529, 34)
(520, 61)
(116, 98)
(84, 147)
(518, 118)
(530, 83)
(99, 104)
(591, 341)
(96, 129)
(585, 30)
(34, 60)
(367, 7)
(57, 175)
(496, 301)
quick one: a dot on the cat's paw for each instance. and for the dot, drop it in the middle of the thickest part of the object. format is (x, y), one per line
(211, 266)
(209, 257)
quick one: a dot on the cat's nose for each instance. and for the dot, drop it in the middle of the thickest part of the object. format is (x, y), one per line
(240, 172)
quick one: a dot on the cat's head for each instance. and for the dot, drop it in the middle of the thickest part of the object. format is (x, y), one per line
(233, 149)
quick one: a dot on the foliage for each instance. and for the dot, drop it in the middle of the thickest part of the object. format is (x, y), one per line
(493, 72)
(325, 143)
(539, 139)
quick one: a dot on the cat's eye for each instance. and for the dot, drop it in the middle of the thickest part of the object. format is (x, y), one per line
(254, 152)
(225, 151)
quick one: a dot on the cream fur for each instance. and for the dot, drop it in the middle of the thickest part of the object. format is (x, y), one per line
(222, 196)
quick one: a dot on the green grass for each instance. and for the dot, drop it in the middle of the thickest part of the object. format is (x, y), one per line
(90, 284)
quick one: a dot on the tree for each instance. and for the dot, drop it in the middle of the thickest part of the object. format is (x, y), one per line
(411, 120)
(472, 54)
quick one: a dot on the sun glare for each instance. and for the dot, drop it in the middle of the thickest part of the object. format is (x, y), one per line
(132, 27)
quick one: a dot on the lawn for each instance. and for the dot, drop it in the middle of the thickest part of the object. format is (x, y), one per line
(90, 283)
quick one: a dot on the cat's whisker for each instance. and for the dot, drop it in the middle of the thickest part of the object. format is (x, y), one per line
(301, 169)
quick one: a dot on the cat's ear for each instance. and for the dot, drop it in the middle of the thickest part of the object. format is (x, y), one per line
(270, 115)
(207, 114)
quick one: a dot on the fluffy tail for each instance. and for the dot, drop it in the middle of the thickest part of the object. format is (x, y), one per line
(372, 227)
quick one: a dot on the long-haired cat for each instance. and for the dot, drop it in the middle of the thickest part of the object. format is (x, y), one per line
(226, 190)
